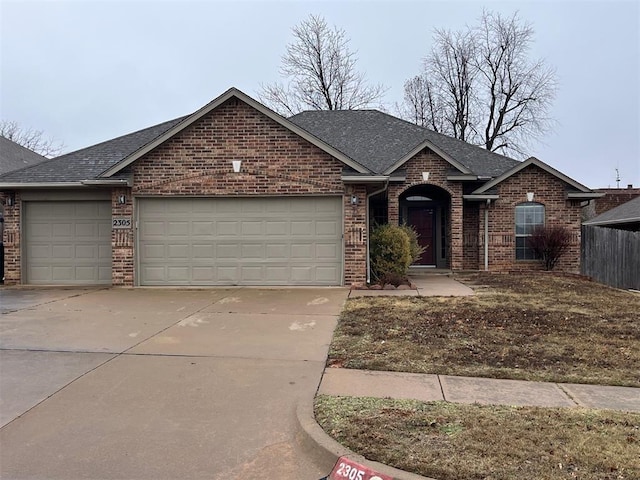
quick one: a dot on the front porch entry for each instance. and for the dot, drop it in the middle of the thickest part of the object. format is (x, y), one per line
(426, 208)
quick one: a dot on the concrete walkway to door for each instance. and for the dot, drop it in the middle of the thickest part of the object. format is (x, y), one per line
(160, 383)
(425, 285)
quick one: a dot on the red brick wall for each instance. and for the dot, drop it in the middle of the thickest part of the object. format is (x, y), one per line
(470, 229)
(549, 191)
(122, 242)
(11, 239)
(427, 161)
(275, 161)
(614, 197)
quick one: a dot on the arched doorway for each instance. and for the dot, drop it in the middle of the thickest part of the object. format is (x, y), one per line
(427, 209)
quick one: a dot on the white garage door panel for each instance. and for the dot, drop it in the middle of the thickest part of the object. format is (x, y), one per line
(244, 241)
(68, 243)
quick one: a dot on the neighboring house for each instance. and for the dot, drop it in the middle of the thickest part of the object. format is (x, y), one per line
(611, 198)
(235, 194)
(622, 217)
(13, 157)
(611, 246)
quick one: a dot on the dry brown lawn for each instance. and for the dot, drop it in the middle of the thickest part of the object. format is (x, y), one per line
(530, 327)
(450, 442)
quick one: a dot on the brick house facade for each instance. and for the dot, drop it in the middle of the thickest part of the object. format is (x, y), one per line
(236, 194)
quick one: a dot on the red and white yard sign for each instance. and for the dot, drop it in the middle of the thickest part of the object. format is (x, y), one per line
(346, 469)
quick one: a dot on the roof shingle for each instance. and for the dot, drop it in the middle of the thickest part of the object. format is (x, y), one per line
(378, 140)
(15, 157)
(88, 163)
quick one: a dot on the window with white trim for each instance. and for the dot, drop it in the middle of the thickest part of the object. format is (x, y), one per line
(528, 216)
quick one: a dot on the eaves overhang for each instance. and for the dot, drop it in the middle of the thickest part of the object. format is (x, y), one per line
(584, 195)
(365, 178)
(233, 93)
(480, 197)
(32, 185)
(462, 177)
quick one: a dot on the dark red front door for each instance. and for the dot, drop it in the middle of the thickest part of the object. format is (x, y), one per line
(422, 220)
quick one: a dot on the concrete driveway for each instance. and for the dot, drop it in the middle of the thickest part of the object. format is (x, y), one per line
(160, 383)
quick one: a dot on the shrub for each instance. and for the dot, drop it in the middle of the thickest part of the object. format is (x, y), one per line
(390, 248)
(549, 244)
(415, 249)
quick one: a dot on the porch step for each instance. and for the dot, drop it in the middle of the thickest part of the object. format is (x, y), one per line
(427, 271)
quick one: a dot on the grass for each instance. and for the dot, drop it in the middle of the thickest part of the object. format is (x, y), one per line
(529, 327)
(449, 441)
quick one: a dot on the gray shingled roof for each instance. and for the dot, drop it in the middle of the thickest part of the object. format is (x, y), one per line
(88, 163)
(14, 156)
(628, 212)
(378, 140)
(371, 138)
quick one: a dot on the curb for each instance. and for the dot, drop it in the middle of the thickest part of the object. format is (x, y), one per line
(326, 451)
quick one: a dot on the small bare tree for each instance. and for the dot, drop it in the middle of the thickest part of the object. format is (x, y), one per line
(30, 138)
(478, 85)
(321, 73)
(549, 243)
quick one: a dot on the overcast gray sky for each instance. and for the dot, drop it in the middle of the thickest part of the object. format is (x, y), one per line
(87, 71)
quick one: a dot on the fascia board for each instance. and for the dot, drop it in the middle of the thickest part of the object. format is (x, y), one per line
(108, 182)
(478, 197)
(584, 195)
(20, 186)
(431, 146)
(232, 92)
(462, 178)
(364, 178)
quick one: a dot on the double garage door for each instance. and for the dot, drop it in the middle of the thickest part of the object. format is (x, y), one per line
(240, 241)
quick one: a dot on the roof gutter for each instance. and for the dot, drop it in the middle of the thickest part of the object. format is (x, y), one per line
(19, 186)
(481, 197)
(365, 178)
(584, 195)
(108, 182)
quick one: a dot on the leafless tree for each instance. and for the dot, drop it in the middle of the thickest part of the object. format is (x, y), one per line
(320, 72)
(483, 87)
(30, 138)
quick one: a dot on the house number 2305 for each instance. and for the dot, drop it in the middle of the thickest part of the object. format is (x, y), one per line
(121, 222)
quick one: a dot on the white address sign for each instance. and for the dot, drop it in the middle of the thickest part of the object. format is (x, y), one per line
(121, 222)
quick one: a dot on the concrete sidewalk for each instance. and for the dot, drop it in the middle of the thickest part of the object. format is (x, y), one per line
(426, 285)
(488, 391)
(428, 387)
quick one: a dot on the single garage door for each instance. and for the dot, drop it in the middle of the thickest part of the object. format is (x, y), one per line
(240, 241)
(68, 243)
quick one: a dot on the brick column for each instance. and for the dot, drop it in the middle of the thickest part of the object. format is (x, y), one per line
(355, 235)
(122, 240)
(456, 232)
(12, 240)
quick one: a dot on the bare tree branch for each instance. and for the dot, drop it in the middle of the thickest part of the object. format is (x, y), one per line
(321, 73)
(30, 138)
(484, 87)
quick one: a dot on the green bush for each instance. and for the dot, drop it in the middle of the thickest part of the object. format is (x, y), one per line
(415, 249)
(390, 248)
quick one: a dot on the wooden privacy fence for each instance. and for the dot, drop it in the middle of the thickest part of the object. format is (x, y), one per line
(611, 256)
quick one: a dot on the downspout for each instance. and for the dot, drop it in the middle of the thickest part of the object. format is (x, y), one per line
(369, 195)
(486, 235)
